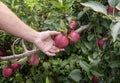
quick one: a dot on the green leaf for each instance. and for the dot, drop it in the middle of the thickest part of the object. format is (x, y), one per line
(31, 3)
(96, 6)
(61, 2)
(75, 75)
(93, 61)
(56, 4)
(96, 73)
(47, 80)
(85, 66)
(118, 6)
(114, 64)
(115, 28)
(113, 3)
(87, 45)
(46, 65)
(29, 81)
(84, 49)
(62, 24)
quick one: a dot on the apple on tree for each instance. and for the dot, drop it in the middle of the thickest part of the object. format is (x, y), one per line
(7, 72)
(34, 60)
(72, 24)
(82, 6)
(1, 53)
(95, 79)
(111, 9)
(100, 42)
(74, 36)
(15, 65)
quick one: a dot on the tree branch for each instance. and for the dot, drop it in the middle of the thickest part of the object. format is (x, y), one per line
(25, 54)
(28, 53)
(79, 30)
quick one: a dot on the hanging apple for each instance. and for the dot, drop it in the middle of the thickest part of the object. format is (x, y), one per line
(34, 60)
(7, 72)
(74, 36)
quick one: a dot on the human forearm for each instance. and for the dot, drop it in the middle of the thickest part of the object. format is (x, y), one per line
(10, 23)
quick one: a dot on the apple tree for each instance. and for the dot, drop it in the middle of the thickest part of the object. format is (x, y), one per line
(90, 35)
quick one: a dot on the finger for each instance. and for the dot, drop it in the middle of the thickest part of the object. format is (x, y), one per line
(54, 50)
(50, 54)
(54, 32)
(62, 49)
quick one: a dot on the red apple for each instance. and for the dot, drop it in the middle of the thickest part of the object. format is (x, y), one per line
(15, 65)
(95, 79)
(73, 24)
(61, 41)
(110, 10)
(100, 42)
(82, 6)
(1, 53)
(7, 72)
(74, 36)
(34, 60)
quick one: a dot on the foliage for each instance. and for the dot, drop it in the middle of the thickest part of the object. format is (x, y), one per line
(80, 61)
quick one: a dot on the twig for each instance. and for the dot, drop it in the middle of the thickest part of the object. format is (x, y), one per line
(24, 46)
(12, 47)
(25, 50)
(79, 30)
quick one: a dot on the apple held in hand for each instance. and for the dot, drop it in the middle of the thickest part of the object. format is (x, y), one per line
(74, 36)
(7, 72)
(34, 60)
(61, 41)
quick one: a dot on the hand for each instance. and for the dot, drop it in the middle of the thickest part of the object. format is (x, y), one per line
(46, 44)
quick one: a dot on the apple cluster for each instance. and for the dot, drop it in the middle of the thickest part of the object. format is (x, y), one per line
(7, 71)
(62, 40)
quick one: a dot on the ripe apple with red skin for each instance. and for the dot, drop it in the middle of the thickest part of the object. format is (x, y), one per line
(1, 53)
(73, 24)
(7, 72)
(61, 41)
(82, 6)
(111, 9)
(34, 60)
(95, 79)
(74, 36)
(15, 65)
(100, 42)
